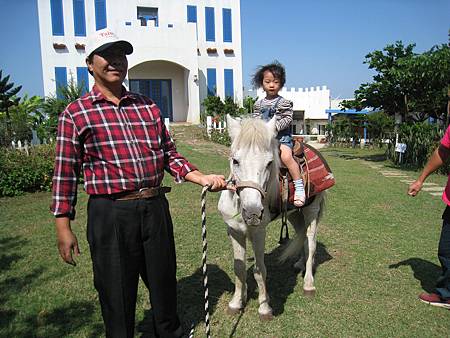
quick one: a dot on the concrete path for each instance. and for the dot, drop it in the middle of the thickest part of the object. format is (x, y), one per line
(405, 177)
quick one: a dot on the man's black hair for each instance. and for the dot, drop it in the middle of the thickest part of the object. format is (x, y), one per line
(277, 70)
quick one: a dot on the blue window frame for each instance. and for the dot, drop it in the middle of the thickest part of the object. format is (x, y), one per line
(60, 79)
(79, 18)
(228, 79)
(211, 81)
(191, 13)
(227, 30)
(83, 78)
(56, 10)
(100, 14)
(209, 23)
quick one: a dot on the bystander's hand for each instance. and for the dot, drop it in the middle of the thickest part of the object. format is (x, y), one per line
(66, 240)
(215, 182)
(414, 188)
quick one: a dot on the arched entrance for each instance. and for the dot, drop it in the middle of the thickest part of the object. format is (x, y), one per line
(165, 83)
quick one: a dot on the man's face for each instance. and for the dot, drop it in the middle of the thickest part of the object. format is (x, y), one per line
(109, 66)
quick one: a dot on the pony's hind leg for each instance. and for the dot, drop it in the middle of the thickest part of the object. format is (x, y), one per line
(238, 241)
(311, 219)
(258, 238)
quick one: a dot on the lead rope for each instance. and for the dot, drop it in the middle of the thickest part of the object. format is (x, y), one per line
(204, 267)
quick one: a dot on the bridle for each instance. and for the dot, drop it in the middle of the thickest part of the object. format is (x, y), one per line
(239, 185)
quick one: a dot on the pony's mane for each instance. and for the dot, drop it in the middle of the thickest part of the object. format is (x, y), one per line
(253, 134)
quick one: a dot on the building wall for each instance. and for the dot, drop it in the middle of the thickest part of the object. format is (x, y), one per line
(174, 41)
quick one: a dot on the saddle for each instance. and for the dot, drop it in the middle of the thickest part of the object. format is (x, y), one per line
(315, 172)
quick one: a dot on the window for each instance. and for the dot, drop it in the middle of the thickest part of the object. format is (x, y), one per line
(211, 81)
(228, 78)
(227, 31)
(56, 10)
(79, 19)
(191, 13)
(148, 16)
(209, 22)
(61, 80)
(100, 14)
(83, 78)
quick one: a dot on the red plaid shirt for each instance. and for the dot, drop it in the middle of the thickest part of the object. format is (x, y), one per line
(119, 148)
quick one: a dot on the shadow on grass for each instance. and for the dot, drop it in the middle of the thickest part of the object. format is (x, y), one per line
(282, 277)
(424, 271)
(370, 158)
(191, 299)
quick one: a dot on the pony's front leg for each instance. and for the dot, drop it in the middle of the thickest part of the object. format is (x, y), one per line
(238, 241)
(310, 248)
(258, 239)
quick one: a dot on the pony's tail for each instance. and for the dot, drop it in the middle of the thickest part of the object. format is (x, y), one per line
(295, 245)
(293, 248)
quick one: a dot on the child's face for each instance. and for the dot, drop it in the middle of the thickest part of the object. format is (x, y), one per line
(271, 84)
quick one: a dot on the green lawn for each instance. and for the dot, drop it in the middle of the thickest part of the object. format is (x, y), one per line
(376, 253)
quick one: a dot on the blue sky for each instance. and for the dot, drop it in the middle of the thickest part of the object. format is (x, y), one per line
(321, 42)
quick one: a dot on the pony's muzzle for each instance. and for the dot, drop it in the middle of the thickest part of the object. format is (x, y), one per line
(252, 216)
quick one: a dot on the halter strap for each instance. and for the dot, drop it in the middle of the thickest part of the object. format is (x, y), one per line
(249, 184)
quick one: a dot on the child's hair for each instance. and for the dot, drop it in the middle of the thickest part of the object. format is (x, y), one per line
(276, 68)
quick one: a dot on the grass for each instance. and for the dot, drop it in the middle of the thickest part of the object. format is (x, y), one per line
(376, 252)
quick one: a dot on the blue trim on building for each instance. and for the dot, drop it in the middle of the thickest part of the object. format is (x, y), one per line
(229, 84)
(83, 78)
(211, 81)
(210, 27)
(79, 18)
(191, 13)
(56, 12)
(60, 80)
(227, 28)
(100, 14)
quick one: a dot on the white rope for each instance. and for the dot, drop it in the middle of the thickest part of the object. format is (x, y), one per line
(204, 267)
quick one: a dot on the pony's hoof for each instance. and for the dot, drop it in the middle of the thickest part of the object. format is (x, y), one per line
(233, 311)
(309, 293)
(266, 317)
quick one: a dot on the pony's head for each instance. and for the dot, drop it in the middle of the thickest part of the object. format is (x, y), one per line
(254, 164)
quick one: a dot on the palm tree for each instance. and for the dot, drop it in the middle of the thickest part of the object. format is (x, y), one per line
(8, 99)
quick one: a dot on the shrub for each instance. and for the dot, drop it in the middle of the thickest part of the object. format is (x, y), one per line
(21, 173)
(421, 140)
(219, 137)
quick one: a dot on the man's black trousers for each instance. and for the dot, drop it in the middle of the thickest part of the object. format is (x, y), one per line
(129, 239)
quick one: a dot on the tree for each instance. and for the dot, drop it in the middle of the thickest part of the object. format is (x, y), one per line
(409, 84)
(53, 106)
(8, 99)
(379, 126)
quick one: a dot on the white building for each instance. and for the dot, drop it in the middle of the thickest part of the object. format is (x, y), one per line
(183, 49)
(310, 105)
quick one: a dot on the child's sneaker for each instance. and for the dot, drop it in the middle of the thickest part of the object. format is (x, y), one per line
(299, 194)
(299, 200)
(434, 299)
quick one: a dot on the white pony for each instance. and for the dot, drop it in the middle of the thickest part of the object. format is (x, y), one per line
(254, 164)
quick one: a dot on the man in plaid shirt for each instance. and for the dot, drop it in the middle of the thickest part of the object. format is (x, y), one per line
(117, 138)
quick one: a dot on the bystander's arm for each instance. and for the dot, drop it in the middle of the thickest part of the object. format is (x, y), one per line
(439, 157)
(215, 182)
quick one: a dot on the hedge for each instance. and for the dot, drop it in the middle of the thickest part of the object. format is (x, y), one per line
(21, 173)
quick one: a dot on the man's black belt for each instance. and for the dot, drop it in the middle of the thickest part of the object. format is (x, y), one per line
(140, 194)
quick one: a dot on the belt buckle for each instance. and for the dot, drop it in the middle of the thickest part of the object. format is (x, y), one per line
(141, 190)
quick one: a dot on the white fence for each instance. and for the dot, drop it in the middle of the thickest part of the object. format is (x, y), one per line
(211, 124)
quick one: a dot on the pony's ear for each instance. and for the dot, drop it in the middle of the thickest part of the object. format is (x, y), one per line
(233, 126)
(272, 125)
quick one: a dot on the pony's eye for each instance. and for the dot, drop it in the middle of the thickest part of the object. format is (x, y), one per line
(269, 164)
(235, 162)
